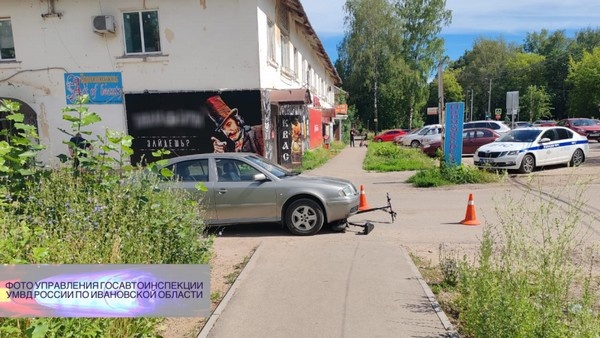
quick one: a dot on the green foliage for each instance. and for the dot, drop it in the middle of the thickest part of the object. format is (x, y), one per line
(387, 55)
(527, 282)
(317, 157)
(449, 175)
(536, 102)
(18, 148)
(105, 212)
(386, 156)
(584, 76)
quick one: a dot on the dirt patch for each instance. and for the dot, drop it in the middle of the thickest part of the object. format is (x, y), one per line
(229, 257)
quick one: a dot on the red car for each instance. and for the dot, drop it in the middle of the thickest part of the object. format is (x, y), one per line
(473, 138)
(389, 135)
(582, 126)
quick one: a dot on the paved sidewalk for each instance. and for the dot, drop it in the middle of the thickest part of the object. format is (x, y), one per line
(333, 284)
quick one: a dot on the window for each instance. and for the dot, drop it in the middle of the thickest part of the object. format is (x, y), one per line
(304, 72)
(285, 54)
(296, 63)
(192, 171)
(7, 44)
(271, 41)
(141, 32)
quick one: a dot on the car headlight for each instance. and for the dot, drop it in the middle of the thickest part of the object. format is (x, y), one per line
(346, 191)
(512, 153)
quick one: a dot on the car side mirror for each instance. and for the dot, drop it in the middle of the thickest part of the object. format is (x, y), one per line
(260, 177)
(544, 140)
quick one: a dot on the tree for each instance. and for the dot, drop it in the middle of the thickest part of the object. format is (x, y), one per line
(385, 75)
(584, 77)
(367, 53)
(421, 45)
(535, 103)
(485, 67)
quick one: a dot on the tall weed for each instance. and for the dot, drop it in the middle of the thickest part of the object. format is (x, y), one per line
(527, 281)
(103, 212)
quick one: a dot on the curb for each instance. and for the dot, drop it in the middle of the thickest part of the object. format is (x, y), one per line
(221, 307)
(431, 297)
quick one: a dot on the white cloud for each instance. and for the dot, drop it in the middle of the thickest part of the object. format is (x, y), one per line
(480, 16)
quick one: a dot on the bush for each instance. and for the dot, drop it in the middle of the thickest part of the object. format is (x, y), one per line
(527, 282)
(448, 175)
(103, 212)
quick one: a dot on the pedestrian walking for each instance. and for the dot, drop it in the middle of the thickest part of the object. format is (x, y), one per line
(352, 134)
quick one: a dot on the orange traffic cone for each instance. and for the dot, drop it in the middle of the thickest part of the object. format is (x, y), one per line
(363, 204)
(470, 217)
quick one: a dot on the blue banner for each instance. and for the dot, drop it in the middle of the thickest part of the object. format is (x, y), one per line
(102, 88)
(453, 133)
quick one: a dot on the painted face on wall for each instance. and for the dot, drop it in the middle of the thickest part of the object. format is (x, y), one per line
(231, 129)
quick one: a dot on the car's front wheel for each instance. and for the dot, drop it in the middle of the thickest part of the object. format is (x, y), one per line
(415, 144)
(304, 217)
(577, 158)
(527, 164)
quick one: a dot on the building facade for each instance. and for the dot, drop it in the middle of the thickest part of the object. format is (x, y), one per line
(190, 76)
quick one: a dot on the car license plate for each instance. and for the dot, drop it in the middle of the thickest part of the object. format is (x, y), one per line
(486, 160)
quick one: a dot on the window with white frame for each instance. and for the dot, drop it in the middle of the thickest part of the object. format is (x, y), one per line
(304, 72)
(271, 40)
(141, 32)
(7, 44)
(297, 76)
(285, 54)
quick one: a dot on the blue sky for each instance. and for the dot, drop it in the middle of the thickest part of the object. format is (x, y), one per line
(508, 19)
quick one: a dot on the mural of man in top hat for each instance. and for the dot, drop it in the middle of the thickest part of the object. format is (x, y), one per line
(239, 136)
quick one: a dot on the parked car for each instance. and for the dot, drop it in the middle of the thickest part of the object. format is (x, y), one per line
(528, 148)
(544, 123)
(520, 124)
(496, 126)
(248, 188)
(583, 126)
(389, 135)
(471, 139)
(398, 139)
(422, 135)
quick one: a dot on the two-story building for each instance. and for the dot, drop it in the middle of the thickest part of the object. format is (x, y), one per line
(190, 76)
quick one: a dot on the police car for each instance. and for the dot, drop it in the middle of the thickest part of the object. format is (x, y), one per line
(524, 149)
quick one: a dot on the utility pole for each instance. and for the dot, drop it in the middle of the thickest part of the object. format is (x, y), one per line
(471, 111)
(489, 110)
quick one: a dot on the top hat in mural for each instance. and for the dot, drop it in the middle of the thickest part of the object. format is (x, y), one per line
(218, 111)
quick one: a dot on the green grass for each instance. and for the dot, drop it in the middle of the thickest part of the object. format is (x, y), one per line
(315, 158)
(386, 156)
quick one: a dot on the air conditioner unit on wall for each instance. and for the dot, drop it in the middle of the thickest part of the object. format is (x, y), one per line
(104, 24)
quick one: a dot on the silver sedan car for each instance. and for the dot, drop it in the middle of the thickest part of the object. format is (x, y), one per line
(248, 188)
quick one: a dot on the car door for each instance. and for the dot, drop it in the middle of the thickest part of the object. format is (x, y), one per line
(469, 144)
(567, 147)
(189, 174)
(245, 200)
(548, 152)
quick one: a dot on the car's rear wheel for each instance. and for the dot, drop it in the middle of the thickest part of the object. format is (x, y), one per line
(577, 158)
(415, 144)
(304, 217)
(527, 164)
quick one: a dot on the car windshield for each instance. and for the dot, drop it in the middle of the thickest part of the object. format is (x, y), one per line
(271, 167)
(520, 135)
